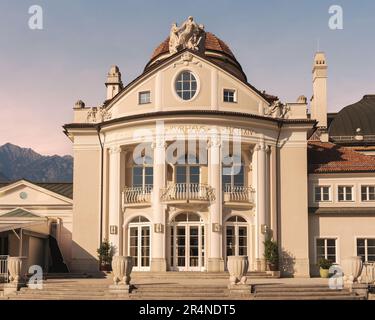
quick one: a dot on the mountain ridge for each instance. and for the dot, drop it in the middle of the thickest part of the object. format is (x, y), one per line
(24, 163)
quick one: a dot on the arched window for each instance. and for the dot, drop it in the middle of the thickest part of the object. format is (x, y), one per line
(187, 217)
(139, 219)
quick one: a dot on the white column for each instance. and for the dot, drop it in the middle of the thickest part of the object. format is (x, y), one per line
(114, 205)
(158, 260)
(261, 191)
(215, 257)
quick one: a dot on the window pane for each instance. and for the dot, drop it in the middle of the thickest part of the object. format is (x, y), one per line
(361, 242)
(371, 242)
(348, 193)
(320, 242)
(317, 194)
(137, 181)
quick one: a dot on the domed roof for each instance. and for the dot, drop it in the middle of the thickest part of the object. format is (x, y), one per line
(216, 50)
(355, 119)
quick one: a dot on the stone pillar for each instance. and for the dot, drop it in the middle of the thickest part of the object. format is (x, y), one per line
(114, 205)
(215, 254)
(261, 192)
(158, 260)
(273, 192)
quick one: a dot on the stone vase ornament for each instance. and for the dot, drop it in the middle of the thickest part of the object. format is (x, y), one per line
(17, 270)
(352, 269)
(237, 267)
(121, 269)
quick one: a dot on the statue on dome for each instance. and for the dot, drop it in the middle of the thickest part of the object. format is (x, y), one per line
(190, 35)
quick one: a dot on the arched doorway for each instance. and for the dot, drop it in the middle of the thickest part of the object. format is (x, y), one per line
(236, 237)
(139, 243)
(187, 243)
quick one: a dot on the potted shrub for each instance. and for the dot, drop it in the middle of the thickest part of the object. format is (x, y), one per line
(271, 254)
(105, 254)
(324, 266)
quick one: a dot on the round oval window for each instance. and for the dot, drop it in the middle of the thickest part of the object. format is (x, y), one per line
(186, 85)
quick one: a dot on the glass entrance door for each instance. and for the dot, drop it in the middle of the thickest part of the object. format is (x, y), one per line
(187, 247)
(236, 237)
(139, 246)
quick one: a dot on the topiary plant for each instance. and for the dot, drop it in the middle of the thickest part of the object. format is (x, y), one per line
(105, 253)
(324, 263)
(271, 254)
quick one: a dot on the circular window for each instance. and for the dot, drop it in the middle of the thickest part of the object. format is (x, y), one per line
(186, 85)
(23, 195)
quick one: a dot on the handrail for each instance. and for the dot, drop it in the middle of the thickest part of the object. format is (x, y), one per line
(188, 191)
(4, 268)
(137, 194)
(236, 193)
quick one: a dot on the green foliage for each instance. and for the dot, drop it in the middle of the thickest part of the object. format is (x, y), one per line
(271, 252)
(324, 263)
(105, 252)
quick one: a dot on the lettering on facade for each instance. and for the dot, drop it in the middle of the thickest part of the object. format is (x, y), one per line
(204, 130)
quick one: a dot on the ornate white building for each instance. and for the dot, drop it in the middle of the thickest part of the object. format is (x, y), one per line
(189, 163)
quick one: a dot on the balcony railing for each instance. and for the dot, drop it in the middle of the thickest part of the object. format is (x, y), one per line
(3, 268)
(187, 192)
(233, 193)
(136, 195)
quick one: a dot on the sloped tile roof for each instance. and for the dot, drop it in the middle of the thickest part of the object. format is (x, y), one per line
(326, 157)
(62, 188)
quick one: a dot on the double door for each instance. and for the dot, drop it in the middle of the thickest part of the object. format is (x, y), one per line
(187, 247)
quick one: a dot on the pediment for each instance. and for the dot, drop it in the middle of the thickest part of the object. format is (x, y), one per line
(160, 82)
(24, 193)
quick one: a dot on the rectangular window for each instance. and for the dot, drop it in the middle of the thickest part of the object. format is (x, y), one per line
(345, 193)
(233, 176)
(229, 95)
(322, 193)
(143, 177)
(366, 249)
(326, 249)
(368, 193)
(144, 97)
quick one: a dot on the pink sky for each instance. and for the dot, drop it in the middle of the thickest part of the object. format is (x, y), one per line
(44, 72)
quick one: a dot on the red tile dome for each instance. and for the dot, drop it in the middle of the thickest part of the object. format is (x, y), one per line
(216, 51)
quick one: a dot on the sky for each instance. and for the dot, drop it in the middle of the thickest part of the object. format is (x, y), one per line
(43, 72)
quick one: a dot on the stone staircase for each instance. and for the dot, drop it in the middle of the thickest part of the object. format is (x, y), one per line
(178, 286)
(301, 292)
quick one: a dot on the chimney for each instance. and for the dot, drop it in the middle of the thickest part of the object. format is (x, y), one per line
(114, 83)
(319, 99)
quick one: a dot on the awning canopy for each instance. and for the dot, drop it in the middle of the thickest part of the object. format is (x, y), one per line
(36, 226)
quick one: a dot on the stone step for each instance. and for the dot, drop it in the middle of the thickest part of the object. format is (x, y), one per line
(298, 297)
(325, 290)
(301, 294)
(194, 275)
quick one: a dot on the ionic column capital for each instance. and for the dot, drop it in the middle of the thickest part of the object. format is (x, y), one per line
(214, 142)
(115, 150)
(262, 146)
(160, 144)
